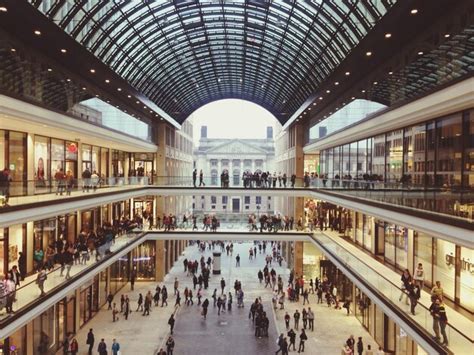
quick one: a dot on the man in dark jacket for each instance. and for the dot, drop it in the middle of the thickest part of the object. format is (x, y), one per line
(90, 341)
(102, 347)
(292, 335)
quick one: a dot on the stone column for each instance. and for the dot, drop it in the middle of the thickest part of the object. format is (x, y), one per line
(160, 261)
(30, 168)
(298, 258)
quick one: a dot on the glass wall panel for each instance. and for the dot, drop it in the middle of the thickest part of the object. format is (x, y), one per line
(368, 231)
(444, 269)
(57, 155)
(96, 159)
(44, 335)
(337, 165)
(468, 150)
(378, 156)
(423, 251)
(449, 155)
(390, 236)
(467, 278)
(2, 149)
(419, 154)
(393, 151)
(353, 161)
(359, 228)
(17, 161)
(430, 154)
(345, 160)
(402, 247)
(16, 239)
(42, 161)
(361, 158)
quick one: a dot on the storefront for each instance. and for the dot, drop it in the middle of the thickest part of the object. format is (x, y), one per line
(95, 159)
(142, 165)
(15, 343)
(88, 300)
(90, 219)
(13, 156)
(143, 258)
(118, 163)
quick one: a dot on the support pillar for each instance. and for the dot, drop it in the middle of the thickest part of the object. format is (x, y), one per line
(160, 261)
(298, 258)
(30, 348)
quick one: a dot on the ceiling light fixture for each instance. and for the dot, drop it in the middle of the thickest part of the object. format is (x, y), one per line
(390, 72)
(375, 82)
(363, 91)
(83, 88)
(68, 80)
(328, 91)
(353, 98)
(3, 9)
(336, 83)
(320, 97)
(388, 35)
(137, 102)
(13, 50)
(129, 96)
(414, 11)
(368, 54)
(50, 70)
(37, 32)
(107, 81)
(447, 35)
(63, 50)
(314, 103)
(119, 89)
(92, 71)
(348, 73)
(420, 53)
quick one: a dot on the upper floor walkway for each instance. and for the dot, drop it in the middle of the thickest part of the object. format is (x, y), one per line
(397, 203)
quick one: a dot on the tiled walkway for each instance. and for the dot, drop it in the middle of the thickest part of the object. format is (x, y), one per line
(458, 344)
(230, 333)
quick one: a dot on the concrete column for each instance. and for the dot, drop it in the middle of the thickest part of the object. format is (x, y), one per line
(78, 221)
(298, 258)
(79, 160)
(410, 251)
(78, 309)
(132, 209)
(30, 248)
(30, 349)
(30, 168)
(160, 261)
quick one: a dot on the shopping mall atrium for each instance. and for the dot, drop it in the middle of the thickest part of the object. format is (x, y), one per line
(132, 224)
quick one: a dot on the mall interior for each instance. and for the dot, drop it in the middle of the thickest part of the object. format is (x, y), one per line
(375, 99)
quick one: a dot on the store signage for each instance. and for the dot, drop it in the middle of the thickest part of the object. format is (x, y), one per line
(466, 264)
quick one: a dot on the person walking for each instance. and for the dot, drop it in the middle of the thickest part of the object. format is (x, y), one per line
(102, 347)
(115, 347)
(74, 347)
(171, 322)
(222, 286)
(140, 303)
(360, 346)
(201, 179)
(414, 296)
(311, 319)
(205, 305)
(443, 321)
(303, 338)
(296, 317)
(110, 298)
(170, 345)
(279, 343)
(90, 341)
(287, 321)
(40, 279)
(194, 177)
(292, 336)
(237, 260)
(419, 276)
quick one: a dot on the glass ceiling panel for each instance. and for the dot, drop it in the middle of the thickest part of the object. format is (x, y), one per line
(300, 42)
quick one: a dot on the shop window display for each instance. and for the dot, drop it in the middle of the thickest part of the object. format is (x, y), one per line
(423, 252)
(467, 278)
(444, 269)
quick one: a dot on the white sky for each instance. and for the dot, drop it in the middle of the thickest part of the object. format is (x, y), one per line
(232, 118)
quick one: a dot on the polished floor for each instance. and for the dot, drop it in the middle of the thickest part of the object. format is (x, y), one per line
(229, 333)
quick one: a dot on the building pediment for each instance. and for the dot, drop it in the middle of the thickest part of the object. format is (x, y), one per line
(236, 147)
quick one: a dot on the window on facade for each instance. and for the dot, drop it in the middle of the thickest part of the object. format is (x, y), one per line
(247, 163)
(449, 155)
(225, 163)
(213, 162)
(213, 199)
(258, 163)
(247, 200)
(224, 200)
(258, 200)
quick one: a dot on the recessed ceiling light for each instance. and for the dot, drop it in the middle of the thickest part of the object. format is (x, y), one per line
(97, 95)
(107, 81)
(63, 50)
(390, 72)
(137, 102)
(447, 35)
(92, 71)
(3, 9)
(263, 86)
(151, 111)
(297, 120)
(314, 103)
(320, 97)
(414, 11)
(218, 80)
(368, 54)
(37, 32)
(309, 108)
(328, 91)
(83, 88)
(108, 101)
(336, 83)
(348, 73)
(129, 96)
(50, 70)
(240, 80)
(375, 82)
(13, 50)
(353, 97)
(119, 89)
(388, 35)
(420, 53)
(68, 80)
(304, 113)
(144, 106)
(363, 91)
